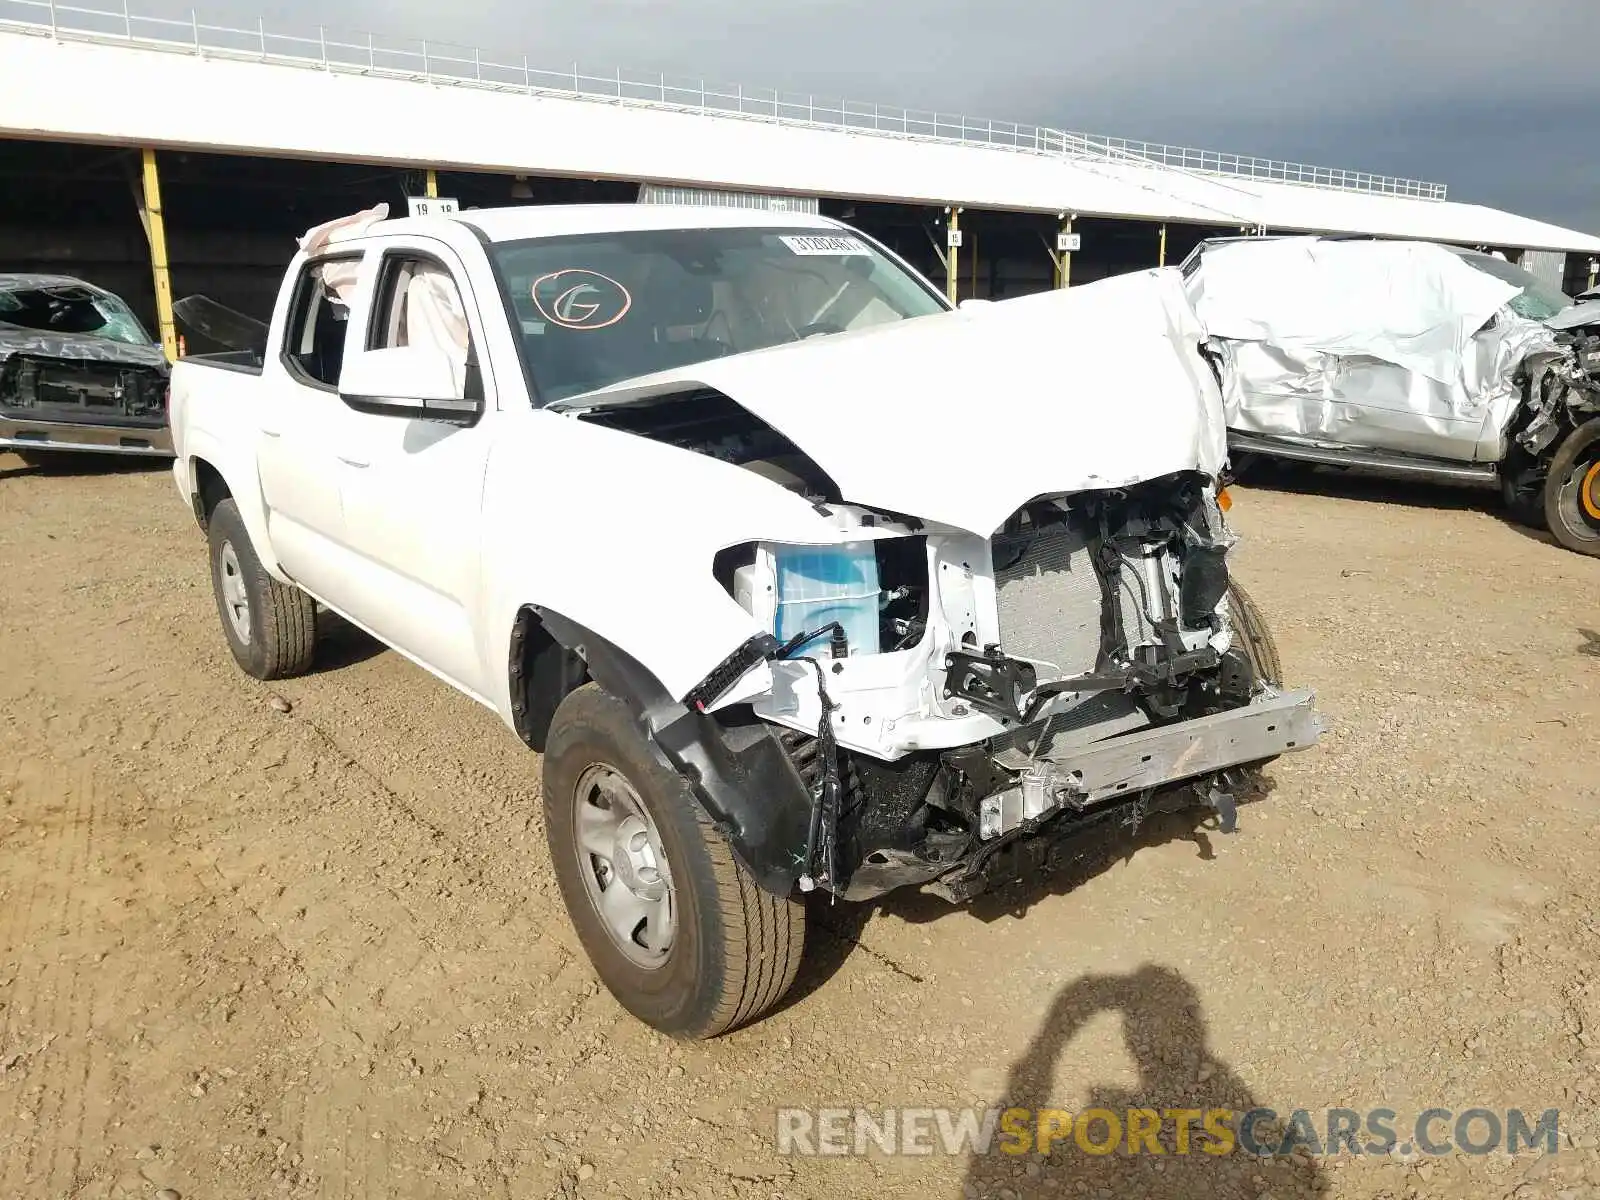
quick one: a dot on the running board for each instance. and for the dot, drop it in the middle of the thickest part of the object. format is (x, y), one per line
(1377, 460)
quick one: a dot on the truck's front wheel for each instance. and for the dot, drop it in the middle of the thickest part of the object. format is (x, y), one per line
(271, 627)
(1254, 636)
(675, 926)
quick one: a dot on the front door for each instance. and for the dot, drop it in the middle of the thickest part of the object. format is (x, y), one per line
(412, 489)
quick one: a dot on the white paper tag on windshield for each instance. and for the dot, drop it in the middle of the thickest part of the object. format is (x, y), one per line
(823, 243)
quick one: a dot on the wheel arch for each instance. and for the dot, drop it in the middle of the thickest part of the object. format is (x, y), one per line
(214, 476)
(735, 764)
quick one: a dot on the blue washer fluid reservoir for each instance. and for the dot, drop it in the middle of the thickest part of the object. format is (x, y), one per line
(820, 584)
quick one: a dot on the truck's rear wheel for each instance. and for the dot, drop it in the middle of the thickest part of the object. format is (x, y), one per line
(271, 627)
(676, 928)
(1572, 490)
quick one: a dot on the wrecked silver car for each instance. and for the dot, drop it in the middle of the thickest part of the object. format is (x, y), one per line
(1411, 358)
(78, 372)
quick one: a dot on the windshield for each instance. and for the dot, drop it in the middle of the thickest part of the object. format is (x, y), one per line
(597, 309)
(1538, 301)
(72, 309)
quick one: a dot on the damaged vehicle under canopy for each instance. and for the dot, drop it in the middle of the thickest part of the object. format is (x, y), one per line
(800, 580)
(1408, 357)
(78, 372)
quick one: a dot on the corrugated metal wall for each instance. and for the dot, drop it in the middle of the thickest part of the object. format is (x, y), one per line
(1548, 265)
(661, 193)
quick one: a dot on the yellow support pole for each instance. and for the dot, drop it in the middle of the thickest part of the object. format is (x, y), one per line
(952, 264)
(432, 186)
(159, 266)
(1594, 271)
(1066, 257)
(1161, 261)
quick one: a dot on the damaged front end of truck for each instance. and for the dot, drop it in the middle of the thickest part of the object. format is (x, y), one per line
(978, 692)
(1014, 619)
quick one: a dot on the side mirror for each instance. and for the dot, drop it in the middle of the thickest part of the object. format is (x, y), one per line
(419, 382)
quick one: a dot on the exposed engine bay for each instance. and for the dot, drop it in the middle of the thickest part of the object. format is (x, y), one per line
(77, 371)
(945, 696)
(1109, 621)
(1561, 389)
(54, 389)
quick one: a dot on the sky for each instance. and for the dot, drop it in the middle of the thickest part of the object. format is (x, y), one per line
(1498, 100)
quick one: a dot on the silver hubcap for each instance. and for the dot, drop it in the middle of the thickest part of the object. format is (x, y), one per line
(235, 600)
(625, 871)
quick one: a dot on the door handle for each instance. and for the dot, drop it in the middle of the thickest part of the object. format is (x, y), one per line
(353, 462)
(272, 433)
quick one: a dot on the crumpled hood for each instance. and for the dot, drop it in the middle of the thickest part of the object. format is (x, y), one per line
(963, 417)
(16, 339)
(1577, 316)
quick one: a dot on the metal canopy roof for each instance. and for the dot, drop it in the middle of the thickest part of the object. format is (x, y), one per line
(133, 80)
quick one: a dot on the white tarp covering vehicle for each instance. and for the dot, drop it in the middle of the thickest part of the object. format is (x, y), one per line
(1410, 357)
(797, 578)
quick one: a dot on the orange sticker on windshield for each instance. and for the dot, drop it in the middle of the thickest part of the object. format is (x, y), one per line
(574, 298)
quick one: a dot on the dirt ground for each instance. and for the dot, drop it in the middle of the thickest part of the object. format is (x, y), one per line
(251, 953)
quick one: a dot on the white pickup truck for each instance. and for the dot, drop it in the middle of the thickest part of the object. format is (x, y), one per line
(798, 579)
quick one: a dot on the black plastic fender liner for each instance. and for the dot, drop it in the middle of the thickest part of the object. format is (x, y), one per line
(543, 672)
(750, 789)
(733, 760)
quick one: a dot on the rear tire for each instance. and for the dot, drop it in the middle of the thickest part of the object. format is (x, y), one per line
(271, 627)
(732, 950)
(1572, 491)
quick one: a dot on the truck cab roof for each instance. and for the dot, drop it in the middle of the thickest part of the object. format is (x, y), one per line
(520, 222)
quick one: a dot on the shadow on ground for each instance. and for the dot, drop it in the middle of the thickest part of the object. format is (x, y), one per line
(65, 462)
(1356, 483)
(835, 929)
(1164, 1030)
(340, 644)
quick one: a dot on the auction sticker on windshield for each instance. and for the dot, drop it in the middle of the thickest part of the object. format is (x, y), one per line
(825, 244)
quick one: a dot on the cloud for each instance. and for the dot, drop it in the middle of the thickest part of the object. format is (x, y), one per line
(1493, 98)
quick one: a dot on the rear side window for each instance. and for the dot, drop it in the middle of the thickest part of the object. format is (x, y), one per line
(319, 314)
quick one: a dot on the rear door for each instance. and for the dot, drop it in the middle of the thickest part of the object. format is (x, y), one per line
(300, 416)
(412, 488)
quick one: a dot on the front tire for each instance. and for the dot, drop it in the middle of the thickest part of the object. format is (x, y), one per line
(1572, 491)
(1522, 488)
(271, 627)
(676, 928)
